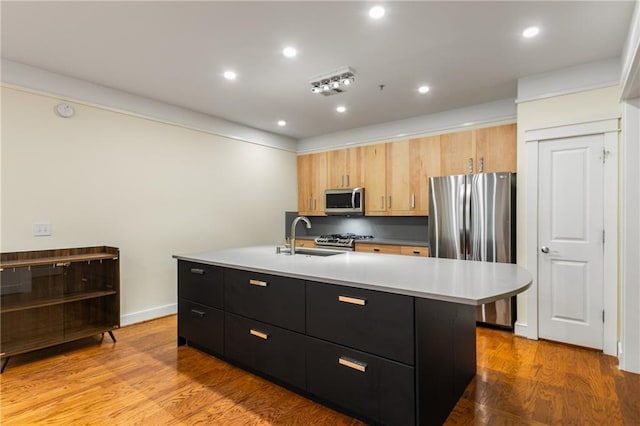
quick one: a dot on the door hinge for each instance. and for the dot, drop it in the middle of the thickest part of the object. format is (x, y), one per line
(602, 315)
(605, 154)
(603, 236)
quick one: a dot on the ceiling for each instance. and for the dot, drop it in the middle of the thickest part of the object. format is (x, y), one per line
(176, 52)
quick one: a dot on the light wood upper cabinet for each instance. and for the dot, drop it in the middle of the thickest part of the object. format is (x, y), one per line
(496, 149)
(487, 150)
(374, 179)
(424, 156)
(312, 181)
(457, 153)
(398, 174)
(402, 189)
(395, 175)
(344, 168)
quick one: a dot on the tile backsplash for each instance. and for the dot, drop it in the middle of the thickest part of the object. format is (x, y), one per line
(408, 228)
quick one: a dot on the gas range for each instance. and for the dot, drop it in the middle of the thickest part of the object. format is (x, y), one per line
(342, 241)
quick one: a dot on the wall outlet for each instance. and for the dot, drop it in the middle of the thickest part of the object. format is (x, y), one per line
(41, 229)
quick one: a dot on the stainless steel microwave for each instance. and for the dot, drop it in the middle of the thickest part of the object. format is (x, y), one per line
(344, 202)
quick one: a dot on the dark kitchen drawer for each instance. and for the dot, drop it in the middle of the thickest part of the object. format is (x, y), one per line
(364, 385)
(267, 298)
(266, 348)
(372, 321)
(200, 283)
(201, 326)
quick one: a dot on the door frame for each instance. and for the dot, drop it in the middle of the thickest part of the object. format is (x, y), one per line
(610, 128)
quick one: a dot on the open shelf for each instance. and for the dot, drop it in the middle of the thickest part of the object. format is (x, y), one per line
(49, 297)
(20, 347)
(56, 260)
(54, 301)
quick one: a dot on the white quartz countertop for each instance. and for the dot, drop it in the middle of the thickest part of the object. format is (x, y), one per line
(459, 281)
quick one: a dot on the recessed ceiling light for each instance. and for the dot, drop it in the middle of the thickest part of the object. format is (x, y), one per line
(282, 123)
(376, 12)
(289, 52)
(423, 89)
(530, 32)
(468, 123)
(230, 75)
(341, 108)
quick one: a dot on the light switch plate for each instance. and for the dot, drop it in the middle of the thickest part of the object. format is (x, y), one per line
(41, 229)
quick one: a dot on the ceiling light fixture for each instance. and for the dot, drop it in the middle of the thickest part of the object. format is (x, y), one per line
(423, 89)
(333, 83)
(289, 52)
(530, 32)
(341, 108)
(376, 12)
(230, 75)
(282, 123)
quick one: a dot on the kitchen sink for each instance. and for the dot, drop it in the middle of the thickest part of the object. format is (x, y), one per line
(308, 251)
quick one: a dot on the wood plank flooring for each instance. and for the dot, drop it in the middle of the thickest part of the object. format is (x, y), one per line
(145, 378)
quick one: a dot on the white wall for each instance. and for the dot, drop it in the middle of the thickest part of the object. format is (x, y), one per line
(491, 113)
(150, 188)
(17, 75)
(630, 237)
(565, 109)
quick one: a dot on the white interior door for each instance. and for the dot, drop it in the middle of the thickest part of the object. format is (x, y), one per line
(570, 240)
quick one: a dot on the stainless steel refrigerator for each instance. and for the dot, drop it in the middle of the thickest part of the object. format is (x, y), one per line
(472, 217)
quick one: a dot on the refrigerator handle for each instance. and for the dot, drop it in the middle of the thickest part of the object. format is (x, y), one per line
(467, 218)
(461, 215)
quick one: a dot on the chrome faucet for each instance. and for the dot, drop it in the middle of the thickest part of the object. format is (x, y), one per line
(293, 231)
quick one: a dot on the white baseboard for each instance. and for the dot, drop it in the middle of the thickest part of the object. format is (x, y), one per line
(149, 314)
(522, 329)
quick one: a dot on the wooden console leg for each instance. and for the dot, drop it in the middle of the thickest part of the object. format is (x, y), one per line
(4, 364)
(112, 336)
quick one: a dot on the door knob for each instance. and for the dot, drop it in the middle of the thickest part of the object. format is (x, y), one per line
(544, 249)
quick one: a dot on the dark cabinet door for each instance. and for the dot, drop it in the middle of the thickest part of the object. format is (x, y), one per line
(200, 283)
(364, 385)
(266, 348)
(372, 321)
(201, 326)
(267, 298)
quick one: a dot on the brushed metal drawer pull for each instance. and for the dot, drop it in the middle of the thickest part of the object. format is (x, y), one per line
(376, 249)
(352, 300)
(259, 334)
(197, 271)
(197, 313)
(258, 283)
(351, 363)
(416, 252)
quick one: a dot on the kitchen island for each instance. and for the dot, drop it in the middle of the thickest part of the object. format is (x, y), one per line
(388, 339)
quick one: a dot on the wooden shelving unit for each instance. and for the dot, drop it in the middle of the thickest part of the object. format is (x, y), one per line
(49, 297)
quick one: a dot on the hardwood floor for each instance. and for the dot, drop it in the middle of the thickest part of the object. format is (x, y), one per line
(145, 378)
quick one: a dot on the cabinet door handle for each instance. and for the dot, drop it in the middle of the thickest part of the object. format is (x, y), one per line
(376, 249)
(416, 252)
(314, 204)
(481, 165)
(347, 181)
(341, 181)
(352, 363)
(389, 206)
(258, 283)
(470, 165)
(259, 334)
(197, 271)
(352, 300)
(413, 201)
(197, 313)
(382, 202)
